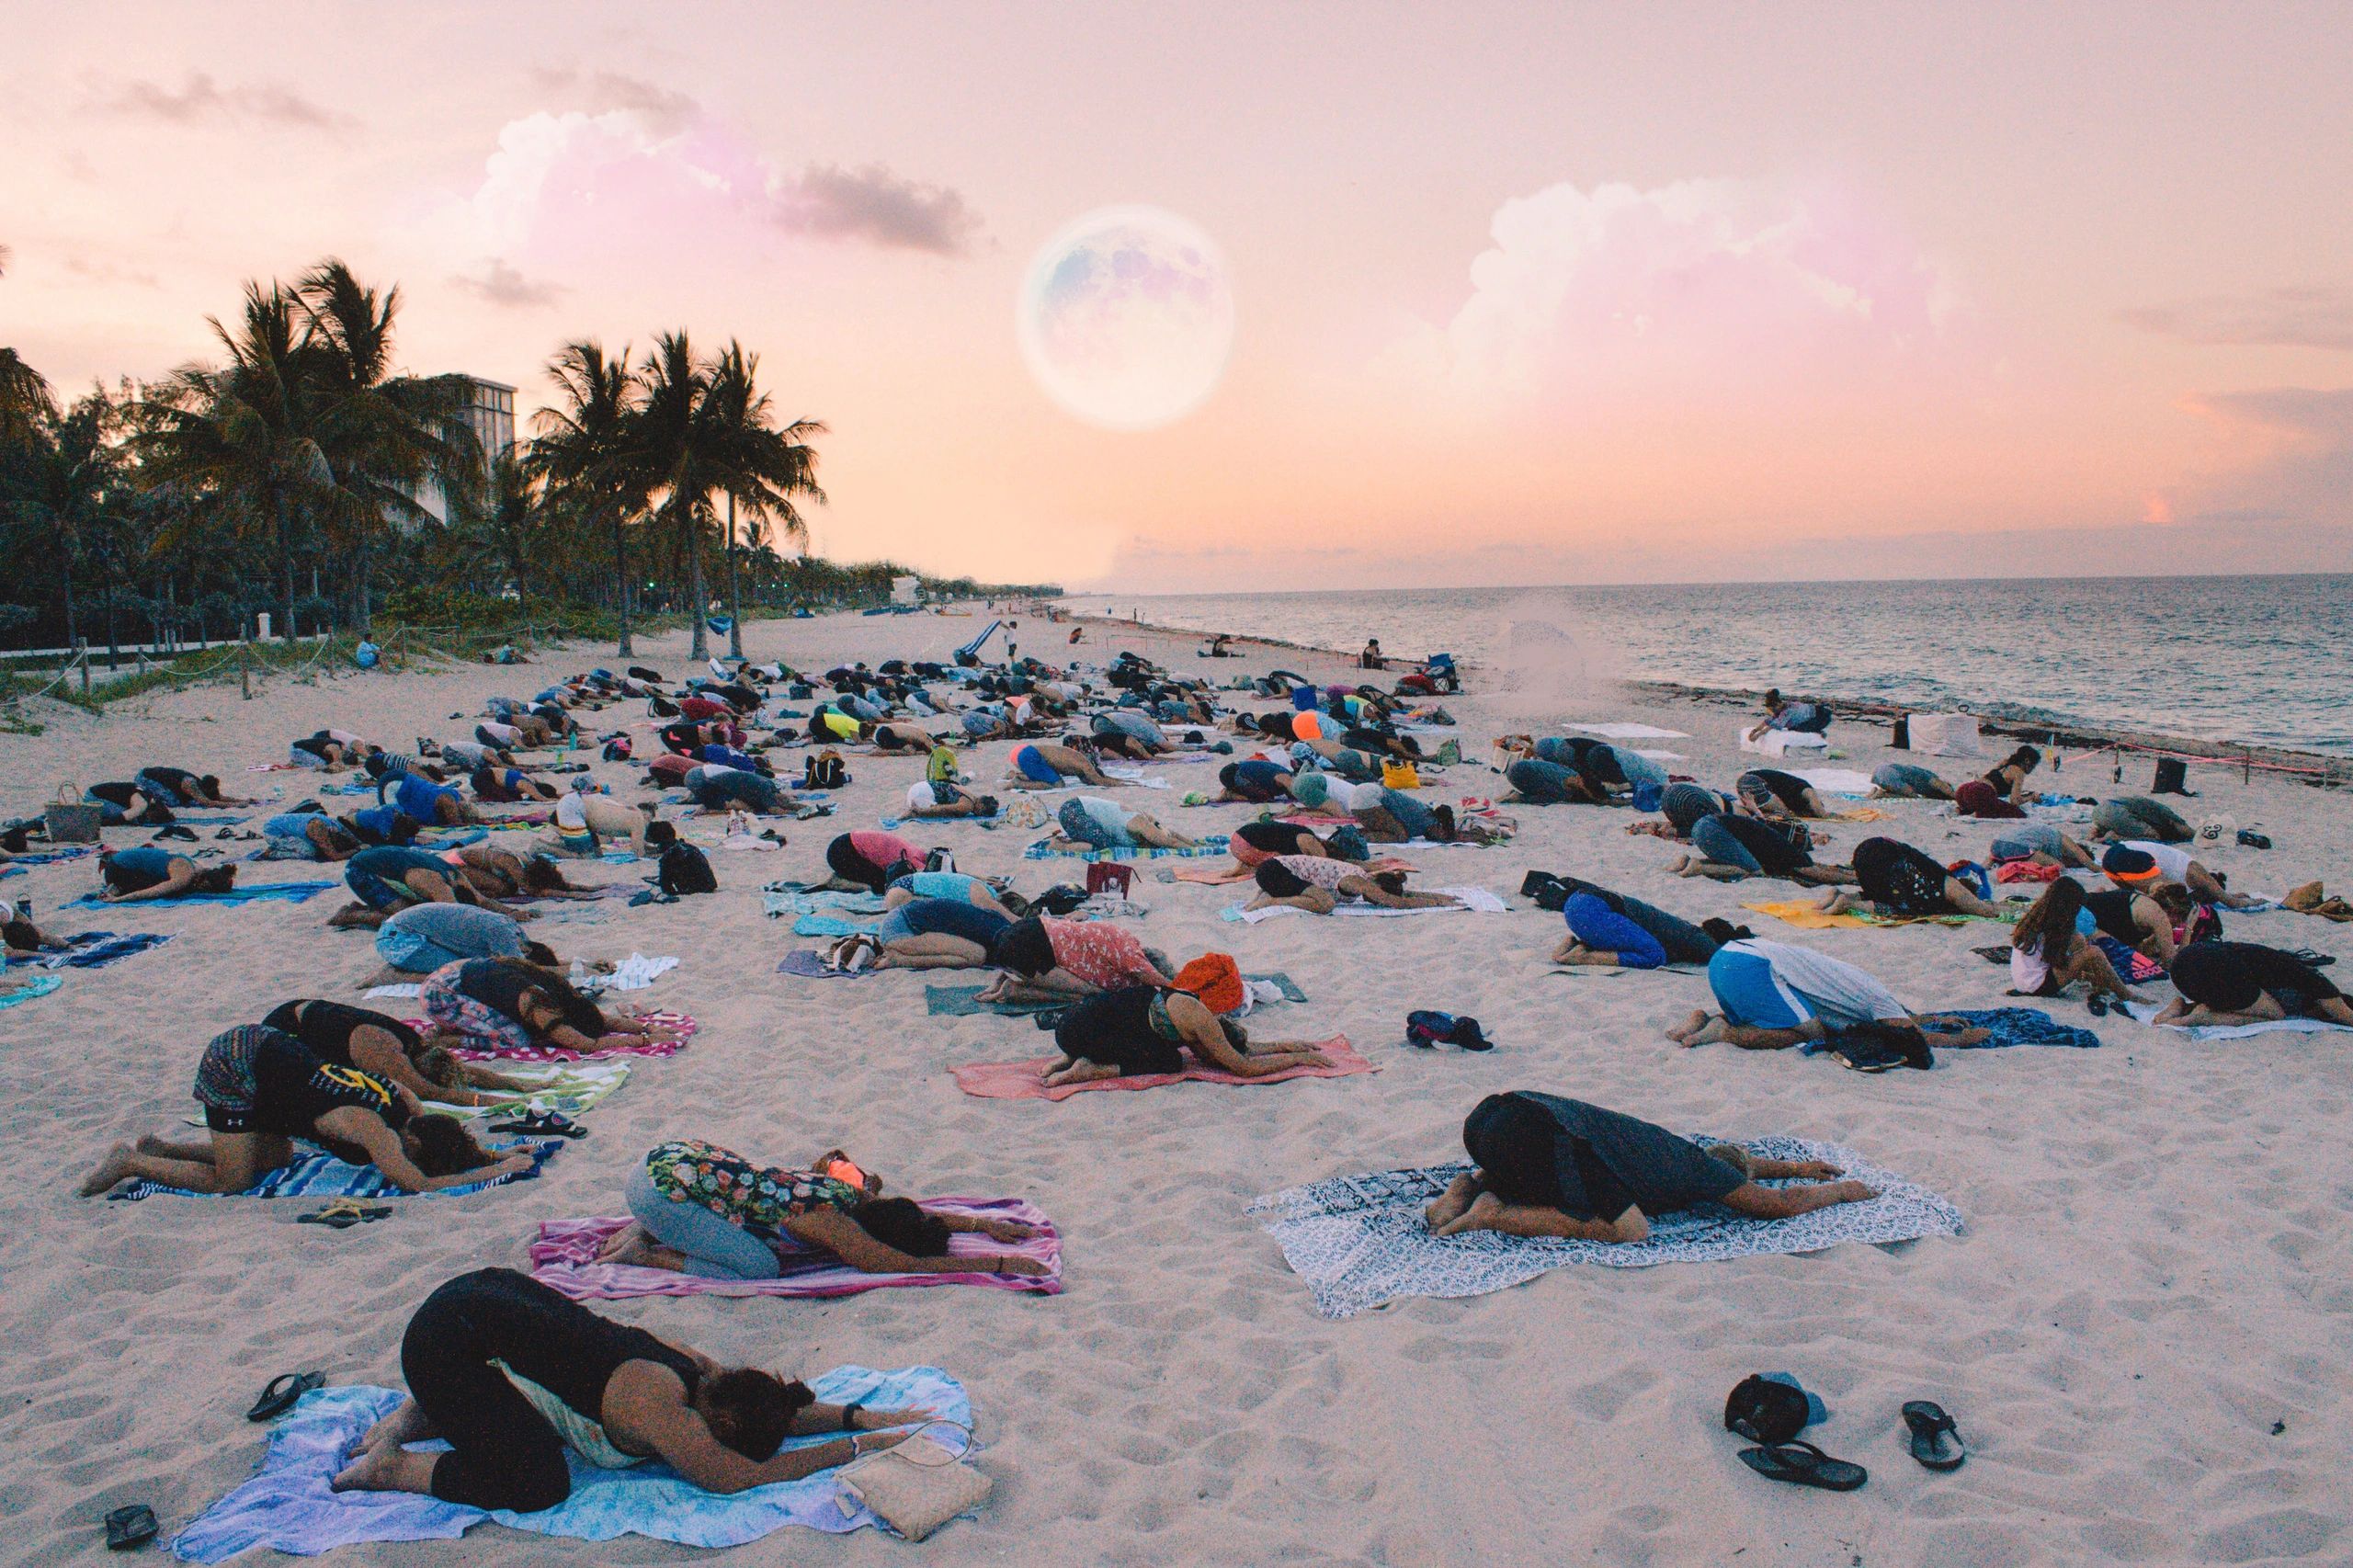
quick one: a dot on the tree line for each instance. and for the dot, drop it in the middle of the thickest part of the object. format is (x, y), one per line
(299, 471)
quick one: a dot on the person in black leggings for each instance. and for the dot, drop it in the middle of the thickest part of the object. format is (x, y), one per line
(1896, 880)
(615, 1394)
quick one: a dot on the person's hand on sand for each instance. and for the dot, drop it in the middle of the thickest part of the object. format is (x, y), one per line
(1028, 1266)
(871, 1420)
(513, 1164)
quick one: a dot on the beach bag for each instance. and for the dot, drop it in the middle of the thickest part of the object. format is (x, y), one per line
(1400, 775)
(1109, 874)
(70, 820)
(618, 749)
(823, 771)
(1060, 899)
(941, 768)
(684, 869)
(661, 707)
(914, 1487)
(940, 860)
(1765, 1410)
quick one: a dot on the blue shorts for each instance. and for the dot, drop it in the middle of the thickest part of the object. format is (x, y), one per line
(893, 927)
(1749, 995)
(1033, 765)
(1602, 928)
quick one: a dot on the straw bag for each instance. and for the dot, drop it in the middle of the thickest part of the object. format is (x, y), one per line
(70, 820)
(914, 1487)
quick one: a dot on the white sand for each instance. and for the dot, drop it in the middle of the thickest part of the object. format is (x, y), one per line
(2141, 1331)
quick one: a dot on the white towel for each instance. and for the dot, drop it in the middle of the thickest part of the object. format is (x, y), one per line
(1621, 732)
(1837, 780)
(634, 973)
(1477, 901)
(2147, 1011)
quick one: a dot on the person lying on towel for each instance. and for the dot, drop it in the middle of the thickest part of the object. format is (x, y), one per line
(2243, 982)
(262, 1088)
(1317, 884)
(1549, 1166)
(702, 1210)
(512, 1374)
(1143, 1029)
(1896, 880)
(1774, 996)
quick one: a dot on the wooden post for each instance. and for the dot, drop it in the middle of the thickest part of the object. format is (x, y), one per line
(83, 659)
(246, 666)
(2247, 767)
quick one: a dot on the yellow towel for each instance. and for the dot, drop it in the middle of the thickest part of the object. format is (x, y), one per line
(1807, 916)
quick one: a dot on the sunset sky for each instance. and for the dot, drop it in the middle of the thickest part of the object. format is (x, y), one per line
(1519, 293)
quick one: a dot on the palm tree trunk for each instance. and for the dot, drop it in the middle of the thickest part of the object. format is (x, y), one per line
(285, 570)
(362, 619)
(695, 592)
(735, 602)
(621, 571)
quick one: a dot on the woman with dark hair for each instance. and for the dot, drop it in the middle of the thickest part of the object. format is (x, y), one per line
(388, 877)
(2130, 817)
(1043, 764)
(1317, 885)
(309, 835)
(388, 1051)
(924, 933)
(706, 1210)
(1549, 1166)
(508, 1006)
(2008, 776)
(143, 871)
(1900, 883)
(1908, 781)
(1770, 792)
(262, 1088)
(178, 787)
(2242, 982)
(1774, 995)
(1045, 959)
(1608, 927)
(2049, 951)
(1683, 805)
(1092, 821)
(1727, 846)
(512, 1374)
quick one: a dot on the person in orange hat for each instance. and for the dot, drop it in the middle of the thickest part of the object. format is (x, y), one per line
(1142, 1029)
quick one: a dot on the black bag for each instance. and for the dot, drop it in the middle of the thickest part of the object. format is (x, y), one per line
(1765, 1411)
(823, 771)
(1547, 889)
(1060, 899)
(683, 870)
(661, 707)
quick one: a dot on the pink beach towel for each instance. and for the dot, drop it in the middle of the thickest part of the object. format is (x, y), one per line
(1026, 1080)
(563, 1257)
(556, 1053)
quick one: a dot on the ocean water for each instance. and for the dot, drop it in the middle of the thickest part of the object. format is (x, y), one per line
(2267, 660)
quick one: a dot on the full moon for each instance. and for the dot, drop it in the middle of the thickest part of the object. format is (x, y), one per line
(1126, 318)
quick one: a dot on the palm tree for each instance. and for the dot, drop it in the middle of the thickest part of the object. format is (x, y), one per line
(24, 393)
(505, 541)
(389, 439)
(754, 463)
(670, 452)
(74, 464)
(242, 441)
(580, 449)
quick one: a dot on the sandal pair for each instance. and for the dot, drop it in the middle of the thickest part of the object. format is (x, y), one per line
(541, 1124)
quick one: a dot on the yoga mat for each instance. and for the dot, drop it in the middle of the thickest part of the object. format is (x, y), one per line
(1044, 850)
(1474, 901)
(818, 925)
(963, 1001)
(1026, 1080)
(892, 825)
(289, 892)
(1360, 1241)
(2146, 1012)
(780, 899)
(93, 950)
(1805, 914)
(1836, 781)
(323, 1176)
(571, 1088)
(2008, 1027)
(288, 1504)
(26, 991)
(50, 857)
(557, 1053)
(564, 1257)
(810, 964)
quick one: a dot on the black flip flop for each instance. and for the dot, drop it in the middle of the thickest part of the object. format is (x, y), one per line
(1801, 1464)
(129, 1527)
(345, 1212)
(541, 1124)
(1930, 1426)
(278, 1395)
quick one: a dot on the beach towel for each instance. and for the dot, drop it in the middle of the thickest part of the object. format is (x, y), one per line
(287, 1504)
(1807, 916)
(810, 964)
(1837, 782)
(2146, 1012)
(26, 990)
(1360, 1241)
(819, 924)
(569, 1087)
(289, 892)
(1474, 901)
(93, 950)
(1623, 731)
(1045, 849)
(452, 838)
(321, 1174)
(780, 899)
(1026, 1080)
(2004, 1027)
(50, 857)
(892, 825)
(634, 973)
(557, 1053)
(963, 1001)
(1128, 774)
(563, 1257)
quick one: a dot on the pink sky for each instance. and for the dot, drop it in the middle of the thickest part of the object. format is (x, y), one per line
(1523, 293)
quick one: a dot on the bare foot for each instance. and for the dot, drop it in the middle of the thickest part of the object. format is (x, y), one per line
(149, 1143)
(387, 1469)
(1682, 866)
(1479, 1216)
(1683, 1033)
(114, 1168)
(1452, 1202)
(626, 1245)
(405, 1425)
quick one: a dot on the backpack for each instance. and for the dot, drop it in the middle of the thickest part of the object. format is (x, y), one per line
(823, 771)
(1060, 899)
(683, 869)
(941, 768)
(618, 749)
(1400, 775)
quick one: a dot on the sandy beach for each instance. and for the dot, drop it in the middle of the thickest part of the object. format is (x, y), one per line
(2140, 1329)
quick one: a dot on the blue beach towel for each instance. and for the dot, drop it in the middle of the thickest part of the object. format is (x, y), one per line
(289, 892)
(39, 985)
(1360, 1241)
(2007, 1026)
(1045, 849)
(820, 924)
(287, 1504)
(321, 1174)
(781, 899)
(93, 950)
